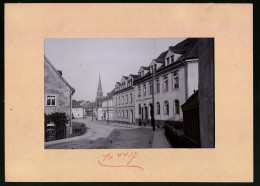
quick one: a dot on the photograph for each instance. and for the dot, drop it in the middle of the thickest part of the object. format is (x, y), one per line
(129, 93)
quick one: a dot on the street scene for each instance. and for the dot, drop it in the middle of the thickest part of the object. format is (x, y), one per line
(129, 93)
(101, 135)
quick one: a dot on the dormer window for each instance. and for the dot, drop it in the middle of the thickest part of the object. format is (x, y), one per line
(167, 61)
(155, 67)
(172, 59)
(144, 90)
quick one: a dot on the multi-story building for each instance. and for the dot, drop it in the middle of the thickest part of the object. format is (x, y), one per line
(77, 109)
(173, 77)
(108, 107)
(124, 100)
(57, 95)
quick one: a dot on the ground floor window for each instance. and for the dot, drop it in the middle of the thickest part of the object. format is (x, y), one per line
(126, 113)
(166, 107)
(158, 107)
(177, 107)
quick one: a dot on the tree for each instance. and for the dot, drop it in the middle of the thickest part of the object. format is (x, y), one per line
(60, 119)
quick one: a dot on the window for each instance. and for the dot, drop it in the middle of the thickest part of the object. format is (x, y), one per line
(165, 83)
(51, 100)
(126, 113)
(122, 100)
(155, 67)
(144, 90)
(116, 101)
(172, 58)
(157, 86)
(126, 99)
(150, 88)
(166, 107)
(131, 98)
(139, 91)
(175, 80)
(167, 61)
(116, 114)
(122, 113)
(177, 107)
(139, 109)
(158, 107)
(119, 101)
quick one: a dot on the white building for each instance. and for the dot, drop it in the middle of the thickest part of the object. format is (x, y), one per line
(77, 109)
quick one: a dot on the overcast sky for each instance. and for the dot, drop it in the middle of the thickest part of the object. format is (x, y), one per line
(82, 60)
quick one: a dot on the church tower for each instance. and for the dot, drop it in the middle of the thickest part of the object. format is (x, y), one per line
(99, 96)
(99, 90)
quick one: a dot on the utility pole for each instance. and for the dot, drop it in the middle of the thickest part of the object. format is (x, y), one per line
(152, 108)
(92, 111)
(107, 113)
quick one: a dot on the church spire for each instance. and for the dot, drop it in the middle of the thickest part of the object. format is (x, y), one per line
(99, 91)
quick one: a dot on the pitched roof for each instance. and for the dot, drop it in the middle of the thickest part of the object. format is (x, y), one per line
(99, 85)
(188, 48)
(76, 104)
(126, 77)
(145, 68)
(162, 55)
(48, 61)
(134, 76)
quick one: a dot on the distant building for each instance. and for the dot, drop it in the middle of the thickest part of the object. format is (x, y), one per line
(57, 93)
(88, 108)
(124, 100)
(175, 79)
(98, 101)
(77, 109)
(108, 107)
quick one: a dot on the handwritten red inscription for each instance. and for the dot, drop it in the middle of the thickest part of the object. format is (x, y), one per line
(122, 159)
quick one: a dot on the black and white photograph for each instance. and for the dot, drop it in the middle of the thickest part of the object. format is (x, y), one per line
(129, 93)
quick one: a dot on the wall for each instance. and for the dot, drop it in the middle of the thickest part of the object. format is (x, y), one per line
(193, 77)
(54, 85)
(206, 92)
(77, 112)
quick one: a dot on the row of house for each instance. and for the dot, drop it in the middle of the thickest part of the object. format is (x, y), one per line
(164, 85)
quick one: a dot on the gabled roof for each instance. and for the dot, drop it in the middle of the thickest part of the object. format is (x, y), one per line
(145, 68)
(57, 72)
(162, 55)
(123, 78)
(188, 48)
(76, 104)
(134, 76)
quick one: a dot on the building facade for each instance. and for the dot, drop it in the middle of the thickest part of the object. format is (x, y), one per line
(108, 107)
(57, 93)
(124, 100)
(77, 109)
(171, 79)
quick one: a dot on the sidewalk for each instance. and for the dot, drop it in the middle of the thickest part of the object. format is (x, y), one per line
(117, 124)
(159, 139)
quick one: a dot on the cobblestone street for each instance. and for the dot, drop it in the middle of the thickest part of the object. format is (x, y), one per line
(100, 135)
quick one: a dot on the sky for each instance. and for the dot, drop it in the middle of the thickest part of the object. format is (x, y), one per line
(82, 60)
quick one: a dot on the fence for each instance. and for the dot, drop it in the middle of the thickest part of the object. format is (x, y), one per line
(191, 121)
